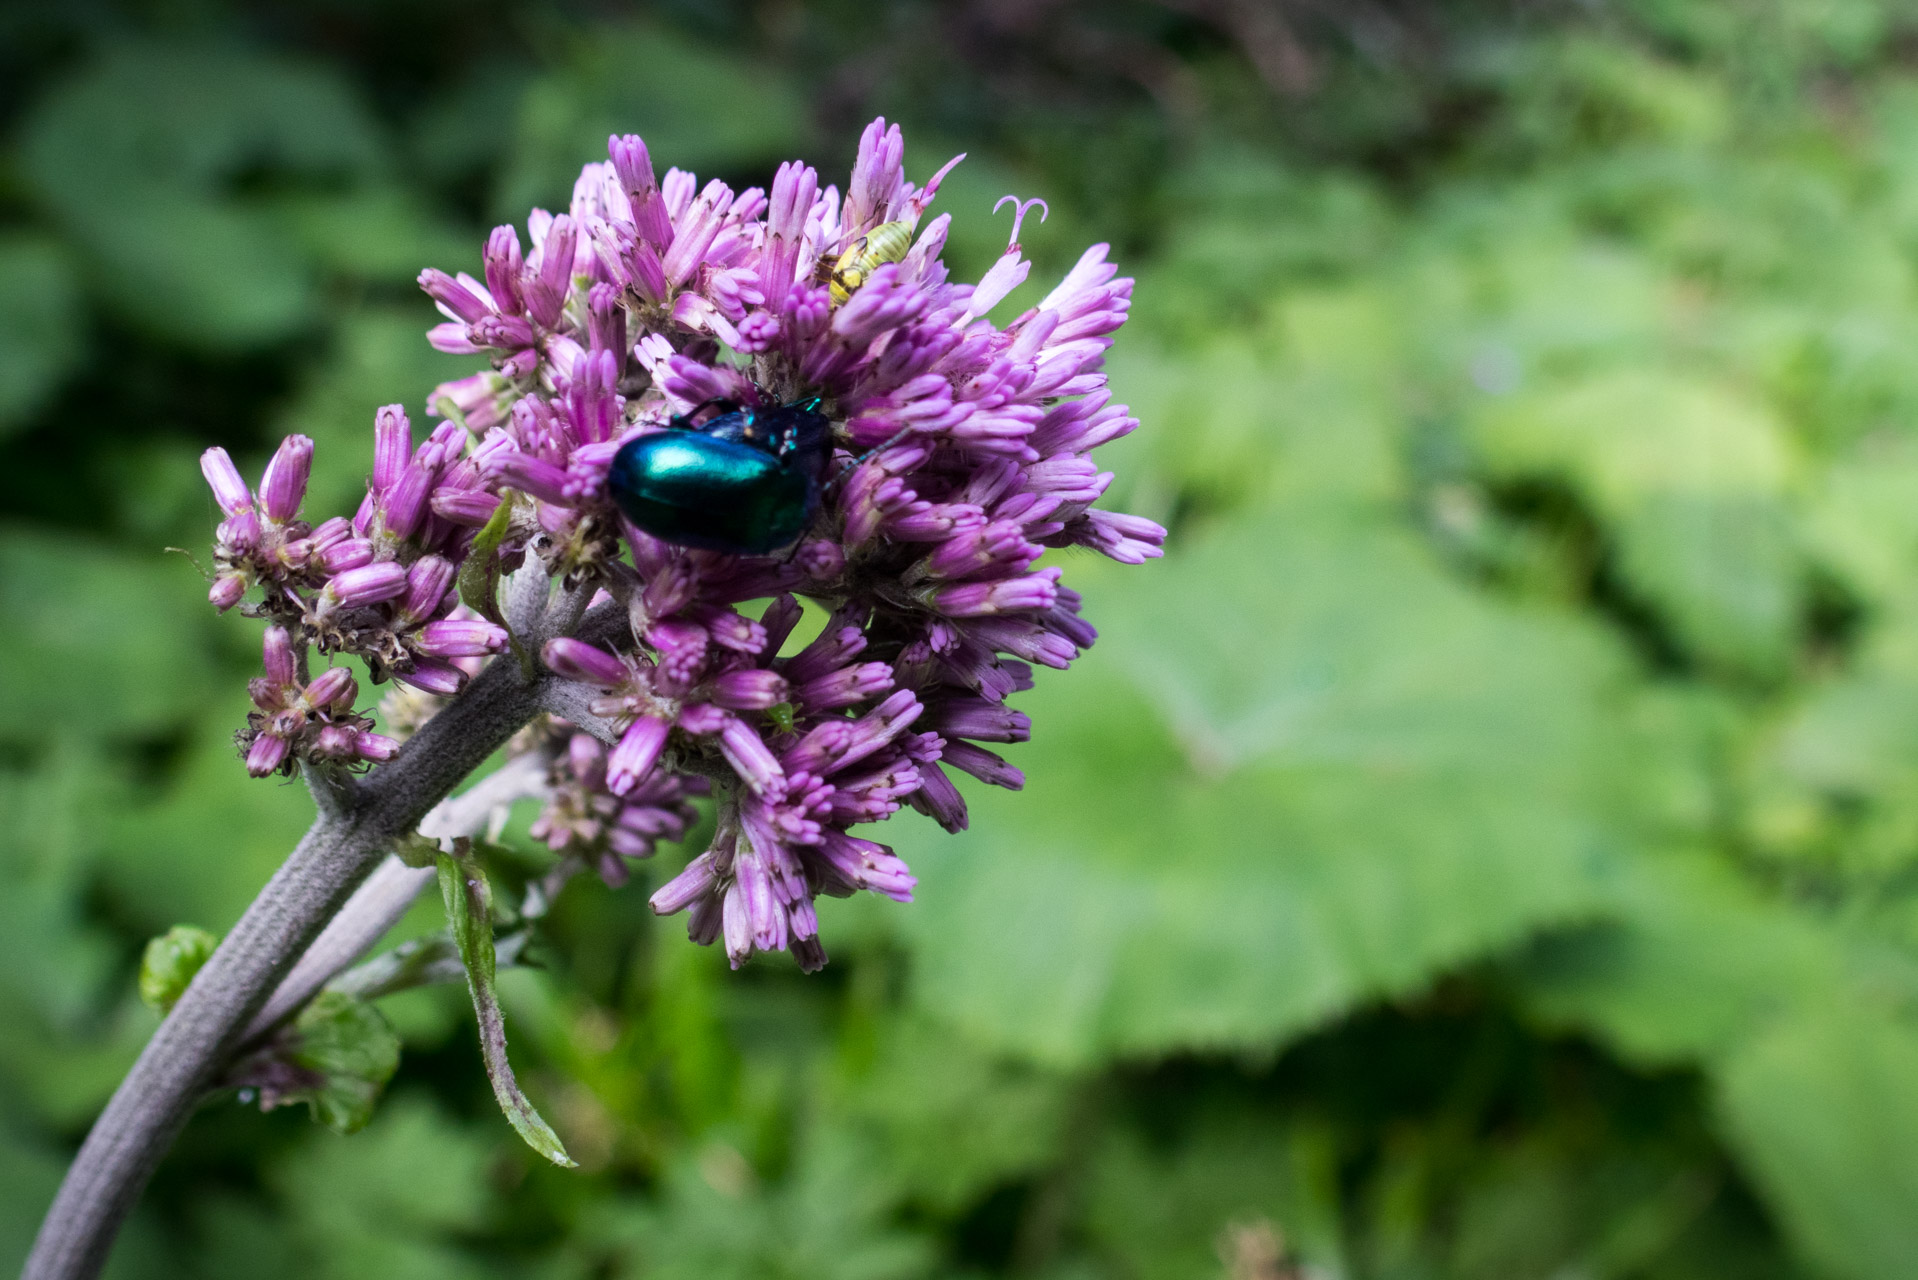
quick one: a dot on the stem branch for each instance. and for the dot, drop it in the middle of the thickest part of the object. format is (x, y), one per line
(355, 826)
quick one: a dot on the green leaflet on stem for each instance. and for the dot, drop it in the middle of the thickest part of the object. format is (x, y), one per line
(479, 574)
(170, 961)
(336, 1057)
(469, 911)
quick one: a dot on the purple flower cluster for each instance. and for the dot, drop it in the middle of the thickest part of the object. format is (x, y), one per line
(380, 586)
(962, 453)
(305, 720)
(585, 821)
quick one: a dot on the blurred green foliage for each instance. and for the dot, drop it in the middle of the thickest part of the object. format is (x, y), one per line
(1486, 847)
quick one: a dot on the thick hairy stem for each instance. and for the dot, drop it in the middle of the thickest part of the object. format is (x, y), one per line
(378, 904)
(356, 825)
(385, 895)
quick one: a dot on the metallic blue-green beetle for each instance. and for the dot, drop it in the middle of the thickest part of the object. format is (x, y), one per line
(725, 477)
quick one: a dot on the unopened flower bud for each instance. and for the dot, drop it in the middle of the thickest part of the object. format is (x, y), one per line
(746, 752)
(427, 583)
(1006, 595)
(461, 638)
(333, 686)
(266, 754)
(576, 660)
(434, 676)
(224, 478)
(226, 591)
(392, 446)
(284, 484)
(368, 584)
(470, 507)
(637, 753)
(749, 689)
(239, 534)
(375, 746)
(404, 505)
(503, 267)
(335, 742)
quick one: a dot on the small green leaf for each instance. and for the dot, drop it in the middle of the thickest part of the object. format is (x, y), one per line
(170, 962)
(469, 910)
(417, 851)
(479, 574)
(351, 1047)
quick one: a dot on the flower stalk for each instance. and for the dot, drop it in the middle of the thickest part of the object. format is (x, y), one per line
(867, 439)
(359, 822)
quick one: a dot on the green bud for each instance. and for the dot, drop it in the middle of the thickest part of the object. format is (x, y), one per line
(170, 962)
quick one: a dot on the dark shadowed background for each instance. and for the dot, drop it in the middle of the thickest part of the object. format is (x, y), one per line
(1485, 847)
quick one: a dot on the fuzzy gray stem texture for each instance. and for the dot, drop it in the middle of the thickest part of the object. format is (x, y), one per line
(384, 896)
(375, 907)
(357, 824)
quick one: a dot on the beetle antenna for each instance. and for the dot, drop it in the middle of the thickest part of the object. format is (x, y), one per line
(897, 436)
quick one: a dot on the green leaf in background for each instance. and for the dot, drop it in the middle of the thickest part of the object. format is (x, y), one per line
(1302, 411)
(169, 963)
(697, 109)
(469, 913)
(395, 1200)
(1159, 1214)
(1825, 1109)
(950, 1121)
(1621, 1208)
(51, 958)
(1249, 227)
(137, 157)
(1269, 795)
(75, 1025)
(1834, 787)
(374, 233)
(40, 325)
(30, 1173)
(1365, 888)
(1691, 479)
(716, 1220)
(1692, 963)
(97, 641)
(199, 847)
(1503, 294)
(1863, 518)
(1806, 1033)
